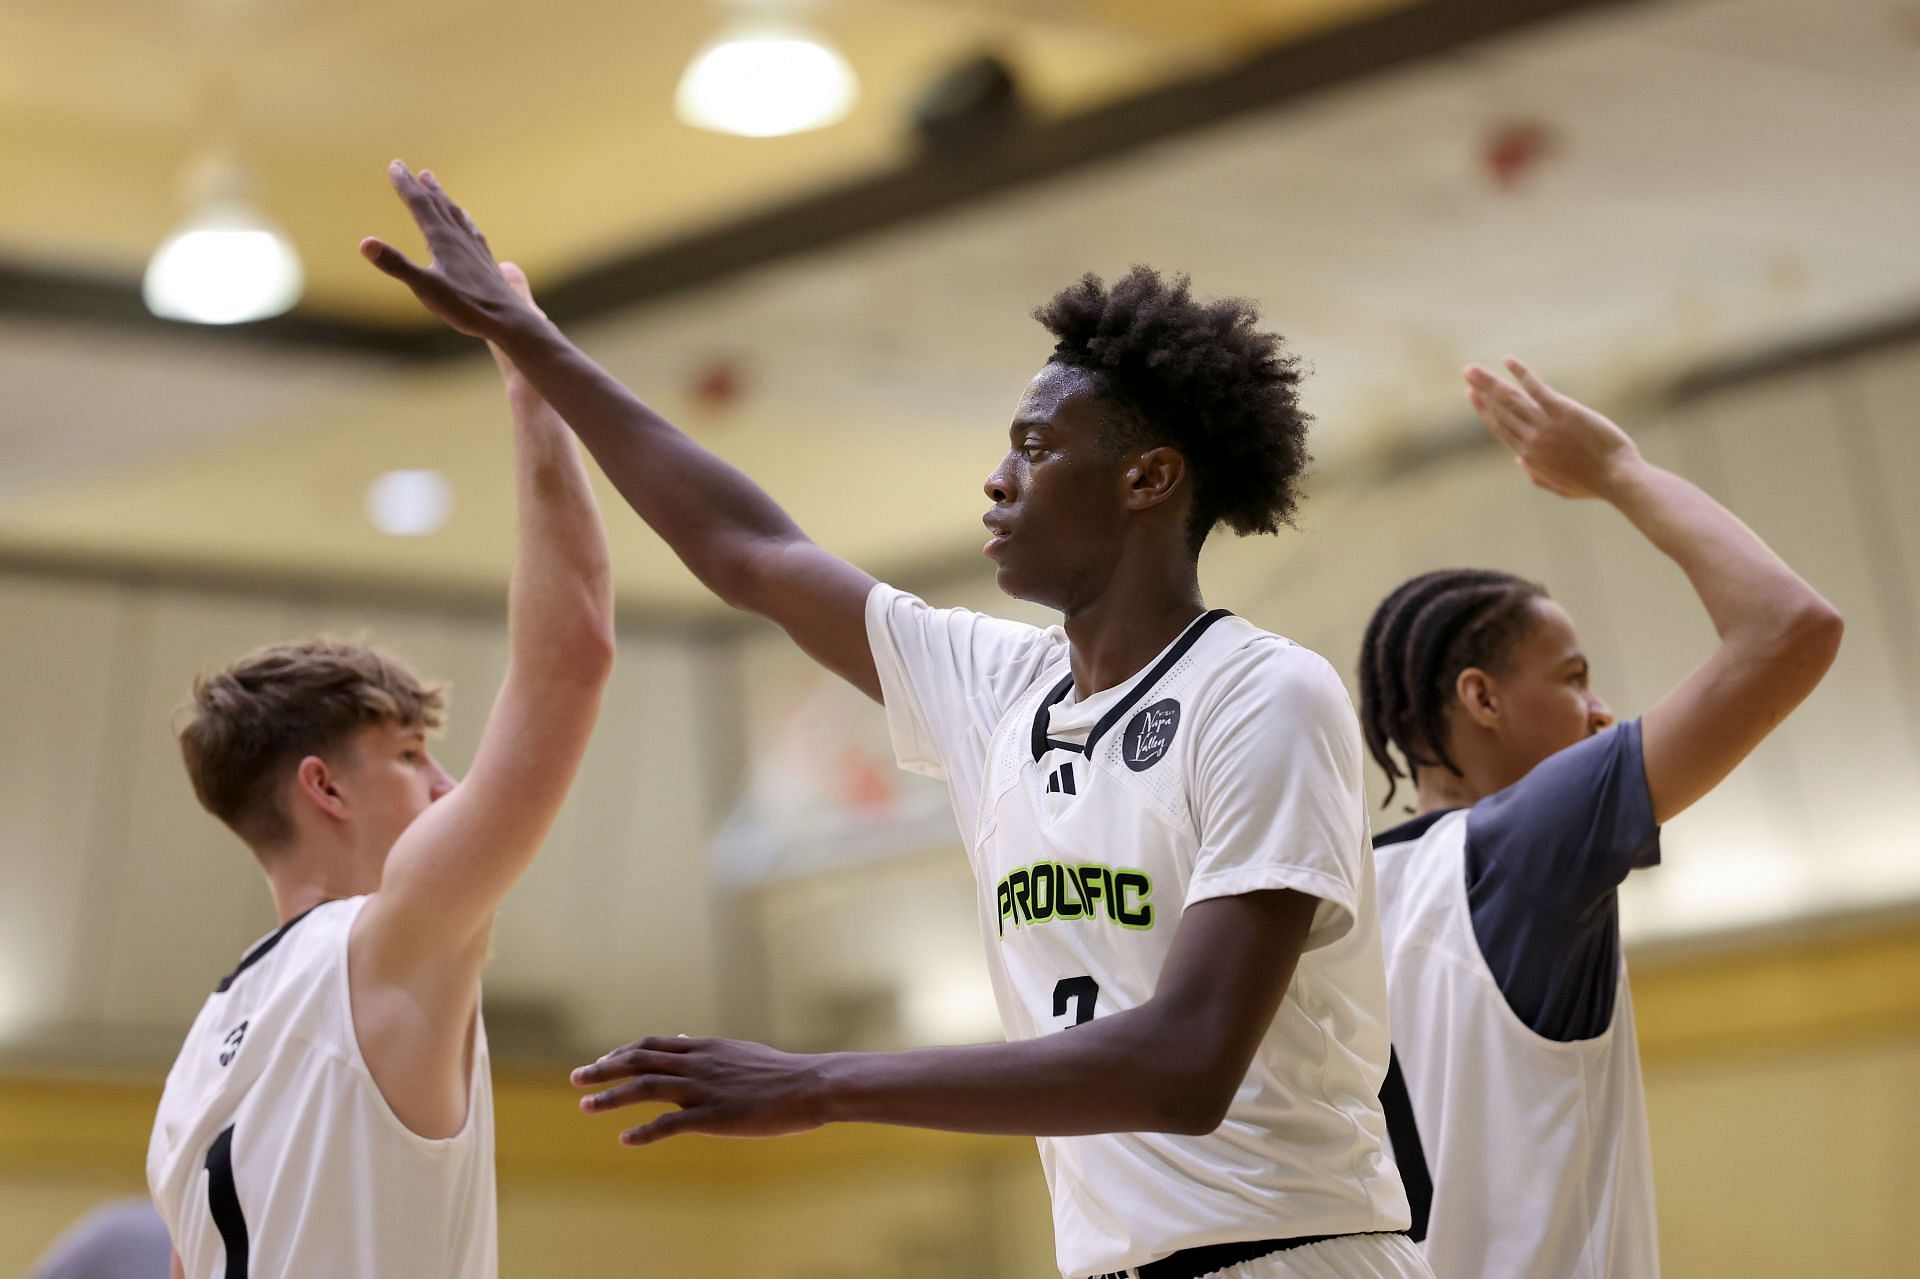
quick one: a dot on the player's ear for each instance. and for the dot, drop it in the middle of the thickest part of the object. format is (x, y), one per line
(1479, 696)
(315, 782)
(1153, 476)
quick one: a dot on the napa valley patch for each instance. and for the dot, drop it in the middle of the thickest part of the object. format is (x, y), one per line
(1149, 734)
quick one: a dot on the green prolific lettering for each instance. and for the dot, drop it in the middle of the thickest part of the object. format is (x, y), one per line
(1054, 890)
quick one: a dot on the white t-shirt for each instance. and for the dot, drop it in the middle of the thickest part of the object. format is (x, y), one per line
(1230, 765)
(274, 1152)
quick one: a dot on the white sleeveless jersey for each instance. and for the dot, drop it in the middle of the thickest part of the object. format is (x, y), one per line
(1536, 1148)
(1229, 766)
(274, 1153)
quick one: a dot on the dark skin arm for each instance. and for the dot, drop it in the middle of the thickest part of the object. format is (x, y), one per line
(1170, 1065)
(725, 528)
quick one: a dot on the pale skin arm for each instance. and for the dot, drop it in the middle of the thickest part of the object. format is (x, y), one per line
(1170, 1065)
(418, 946)
(1778, 636)
(725, 528)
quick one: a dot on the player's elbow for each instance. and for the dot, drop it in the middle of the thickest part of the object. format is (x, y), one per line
(1813, 636)
(1191, 1097)
(579, 656)
(1196, 1109)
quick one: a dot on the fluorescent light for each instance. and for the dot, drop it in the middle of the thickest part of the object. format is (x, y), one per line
(409, 503)
(765, 79)
(225, 263)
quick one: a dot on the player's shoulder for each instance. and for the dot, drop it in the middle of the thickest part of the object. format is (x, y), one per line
(1261, 664)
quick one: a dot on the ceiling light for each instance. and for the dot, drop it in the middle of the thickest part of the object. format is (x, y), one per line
(225, 263)
(763, 78)
(409, 503)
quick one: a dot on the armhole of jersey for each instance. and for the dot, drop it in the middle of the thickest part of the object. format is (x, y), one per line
(343, 985)
(1472, 927)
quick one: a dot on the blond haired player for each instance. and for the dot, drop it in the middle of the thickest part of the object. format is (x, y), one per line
(331, 1110)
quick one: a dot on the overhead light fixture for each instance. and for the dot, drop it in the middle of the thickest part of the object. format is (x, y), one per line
(763, 77)
(225, 263)
(409, 503)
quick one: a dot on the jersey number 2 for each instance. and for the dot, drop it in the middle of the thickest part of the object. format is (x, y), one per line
(223, 1200)
(1082, 992)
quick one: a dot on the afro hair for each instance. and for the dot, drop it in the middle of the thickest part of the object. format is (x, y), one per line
(1198, 377)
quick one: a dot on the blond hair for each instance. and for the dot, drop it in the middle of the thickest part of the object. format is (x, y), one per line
(253, 720)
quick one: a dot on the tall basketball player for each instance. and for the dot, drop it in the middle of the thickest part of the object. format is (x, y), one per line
(1516, 1102)
(1163, 804)
(331, 1110)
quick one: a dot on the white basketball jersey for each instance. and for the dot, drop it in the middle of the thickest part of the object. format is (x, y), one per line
(1537, 1148)
(274, 1153)
(1230, 765)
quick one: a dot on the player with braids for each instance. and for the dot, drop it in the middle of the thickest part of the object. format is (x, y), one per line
(1163, 805)
(1515, 1102)
(1420, 639)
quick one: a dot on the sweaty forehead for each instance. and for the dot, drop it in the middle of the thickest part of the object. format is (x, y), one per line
(1059, 393)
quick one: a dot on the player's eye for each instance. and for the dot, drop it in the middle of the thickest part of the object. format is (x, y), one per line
(1031, 452)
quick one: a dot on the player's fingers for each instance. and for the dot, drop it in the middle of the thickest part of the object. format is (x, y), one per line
(418, 199)
(674, 1044)
(626, 1063)
(1496, 422)
(671, 1124)
(1542, 394)
(1516, 403)
(392, 261)
(636, 1092)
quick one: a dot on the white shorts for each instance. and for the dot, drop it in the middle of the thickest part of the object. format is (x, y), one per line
(1351, 1257)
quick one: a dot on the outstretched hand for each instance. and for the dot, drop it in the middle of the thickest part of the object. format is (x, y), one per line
(1564, 446)
(462, 285)
(724, 1087)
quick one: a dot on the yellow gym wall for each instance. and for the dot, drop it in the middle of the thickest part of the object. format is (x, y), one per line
(1779, 1080)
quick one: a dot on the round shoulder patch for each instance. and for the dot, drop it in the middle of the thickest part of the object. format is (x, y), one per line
(1149, 734)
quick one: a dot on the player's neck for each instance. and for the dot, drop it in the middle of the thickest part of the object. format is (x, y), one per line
(1439, 787)
(302, 879)
(1115, 635)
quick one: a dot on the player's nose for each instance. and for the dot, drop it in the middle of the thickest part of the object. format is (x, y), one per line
(1599, 714)
(443, 781)
(999, 485)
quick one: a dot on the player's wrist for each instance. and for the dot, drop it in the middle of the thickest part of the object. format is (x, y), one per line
(828, 1087)
(1622, 474)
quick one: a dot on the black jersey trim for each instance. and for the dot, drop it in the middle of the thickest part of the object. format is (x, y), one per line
(1411, 829)
(1142, 686)
(1145, 683)
(1403, 1131)
(223, 1200)
(259, 952)
(1041, 742)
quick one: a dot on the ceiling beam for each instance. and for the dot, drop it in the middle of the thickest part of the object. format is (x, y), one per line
(925, 186)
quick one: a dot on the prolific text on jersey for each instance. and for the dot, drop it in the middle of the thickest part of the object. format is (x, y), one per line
(1047, 891)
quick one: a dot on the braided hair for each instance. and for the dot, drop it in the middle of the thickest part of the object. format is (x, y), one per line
(1421, 637)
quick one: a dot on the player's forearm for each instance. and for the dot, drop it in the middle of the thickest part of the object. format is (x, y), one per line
(1116, 1074)
(707, 512)
(1755, 599)
(560, 610)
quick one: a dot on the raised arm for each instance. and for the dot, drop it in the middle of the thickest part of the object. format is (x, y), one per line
(419, 943)
(1170, 1065)
(725, 528)
(1777, 635)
